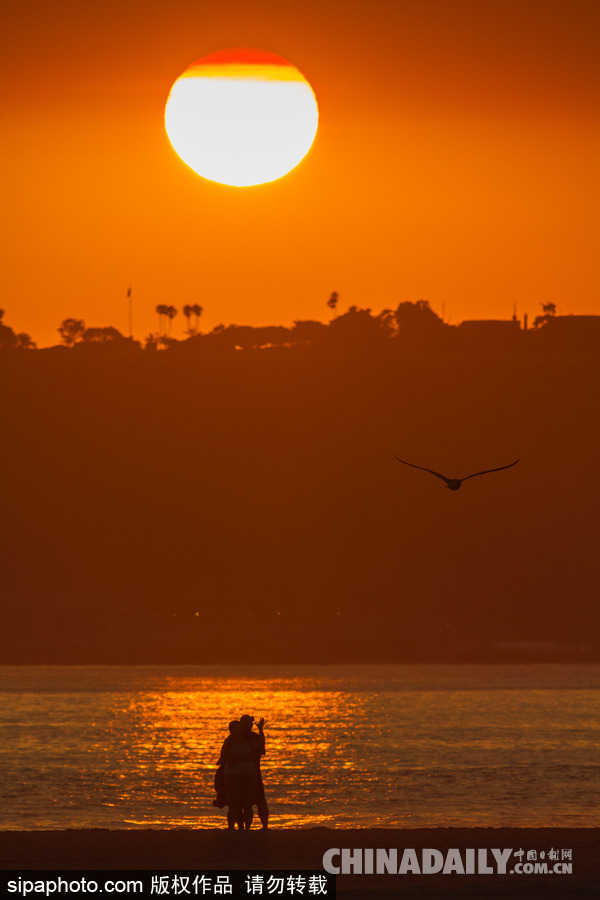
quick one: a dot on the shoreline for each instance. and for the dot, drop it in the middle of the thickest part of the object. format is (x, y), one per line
(185, 850)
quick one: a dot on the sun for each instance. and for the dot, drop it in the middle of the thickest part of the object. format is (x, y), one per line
(241, 117)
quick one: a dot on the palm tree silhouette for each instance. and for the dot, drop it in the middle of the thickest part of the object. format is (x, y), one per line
(197, 310)
(188, 311)
(170, 313)
(161, 309)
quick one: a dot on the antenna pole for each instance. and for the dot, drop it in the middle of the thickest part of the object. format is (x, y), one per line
(130, 313)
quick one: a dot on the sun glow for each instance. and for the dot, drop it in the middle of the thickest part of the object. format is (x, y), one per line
(241, 117)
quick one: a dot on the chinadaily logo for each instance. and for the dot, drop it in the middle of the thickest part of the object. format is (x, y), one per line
(428, 861)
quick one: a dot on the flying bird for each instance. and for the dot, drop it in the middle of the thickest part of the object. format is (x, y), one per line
(455, 483)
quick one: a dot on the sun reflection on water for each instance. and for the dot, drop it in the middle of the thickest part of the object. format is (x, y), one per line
(175, 739)
(138, 747)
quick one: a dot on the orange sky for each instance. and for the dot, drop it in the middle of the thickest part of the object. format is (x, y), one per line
(456, 160)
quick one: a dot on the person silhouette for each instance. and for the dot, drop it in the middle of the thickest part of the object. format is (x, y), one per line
(219, 783)
(239, 758)
(259, 742)
(241, 730)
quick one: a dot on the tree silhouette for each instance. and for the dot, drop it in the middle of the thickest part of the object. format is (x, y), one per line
(549, 312)
(170, 313)
(71, 331)
(387, 317)
(333, 301)
(356, 328)
(197, 310)
(11, 341)
(8, 339)
(416, 320)
(161, 309)
(152, 341)
(104, 335)
(188, 311)
(307, 331)
(24, 341)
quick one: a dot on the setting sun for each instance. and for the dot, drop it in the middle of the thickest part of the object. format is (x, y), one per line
(241, 117)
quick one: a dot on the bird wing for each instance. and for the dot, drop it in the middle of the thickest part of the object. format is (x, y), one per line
(486, 471)
(437, 474)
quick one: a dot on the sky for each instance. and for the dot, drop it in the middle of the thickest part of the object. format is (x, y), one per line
(455, 161)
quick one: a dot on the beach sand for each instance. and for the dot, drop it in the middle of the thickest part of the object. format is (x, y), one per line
(216, 849)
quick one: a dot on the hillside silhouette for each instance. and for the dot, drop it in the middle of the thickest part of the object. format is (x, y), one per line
(194, 502)
(411, 327)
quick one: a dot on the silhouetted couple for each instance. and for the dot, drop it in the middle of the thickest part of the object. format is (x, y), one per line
(238, 781)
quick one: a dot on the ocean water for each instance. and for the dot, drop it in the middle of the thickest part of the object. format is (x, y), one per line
(347, 746)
